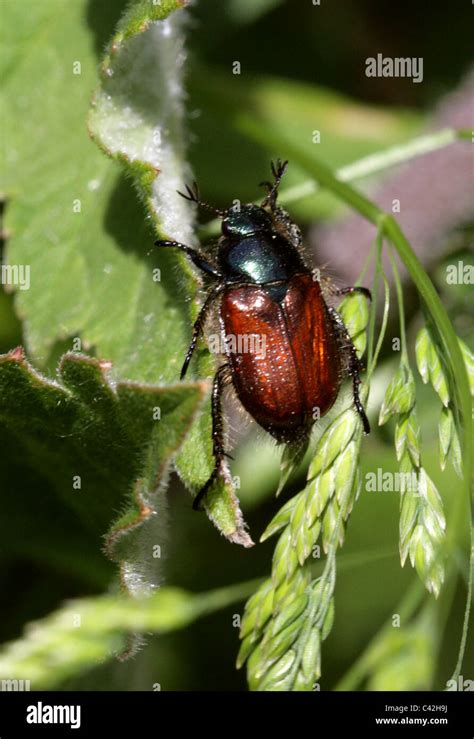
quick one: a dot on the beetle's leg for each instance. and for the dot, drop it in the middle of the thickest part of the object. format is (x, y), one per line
(330, 289)
(220, 380)
(355, 366)
(351, 290)
(195, 255)
(278, 170)
(199, 323)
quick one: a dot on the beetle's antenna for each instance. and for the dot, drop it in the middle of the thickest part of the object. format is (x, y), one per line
(192, 194)
(278, 170)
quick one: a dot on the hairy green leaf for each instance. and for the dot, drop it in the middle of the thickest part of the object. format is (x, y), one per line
(97, 283)
(104, 447)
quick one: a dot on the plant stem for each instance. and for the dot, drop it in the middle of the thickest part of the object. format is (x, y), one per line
(379, 271)
(214, 600)
(401, 309)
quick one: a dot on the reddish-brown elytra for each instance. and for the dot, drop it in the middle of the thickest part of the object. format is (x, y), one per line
(288, 371)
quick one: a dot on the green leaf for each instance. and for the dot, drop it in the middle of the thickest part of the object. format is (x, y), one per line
(90, 277)
(137, 117)
(194, 464)
(75, 220)
(104, 448)
(137, 111)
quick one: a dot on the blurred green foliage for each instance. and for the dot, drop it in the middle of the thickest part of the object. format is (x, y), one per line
(302, 70)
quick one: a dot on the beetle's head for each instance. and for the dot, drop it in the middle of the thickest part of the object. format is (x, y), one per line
(249, 220)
